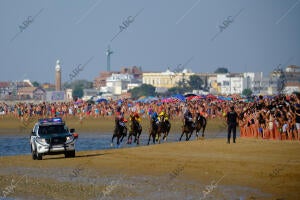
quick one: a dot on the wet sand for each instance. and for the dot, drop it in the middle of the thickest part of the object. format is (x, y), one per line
(203, 169)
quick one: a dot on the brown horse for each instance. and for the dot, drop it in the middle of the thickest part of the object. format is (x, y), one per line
(200, 123)
(120, 132)
(135, 129)
(163, 127)
(152, 131)
(188, 130)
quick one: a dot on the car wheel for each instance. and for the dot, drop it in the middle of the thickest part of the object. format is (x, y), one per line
(72, 154)
(39, 156)
(33, 153)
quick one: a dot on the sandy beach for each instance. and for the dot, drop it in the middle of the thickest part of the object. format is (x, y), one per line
(202, 169)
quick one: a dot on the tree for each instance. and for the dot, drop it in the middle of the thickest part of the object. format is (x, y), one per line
(35, 84)
(195, 82)
(77, 92)
(176, 90)
(221, 70)
(143, 90)
(77, 86)
(247, 92)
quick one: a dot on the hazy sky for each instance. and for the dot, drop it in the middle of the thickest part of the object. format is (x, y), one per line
(259, 35)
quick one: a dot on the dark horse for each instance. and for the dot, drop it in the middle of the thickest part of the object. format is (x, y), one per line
(163, 127)
(188, 130)
(134, 130)
(152, 131)
(120, 132)
(200, 123)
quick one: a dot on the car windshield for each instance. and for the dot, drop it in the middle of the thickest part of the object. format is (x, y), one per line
(52, 129)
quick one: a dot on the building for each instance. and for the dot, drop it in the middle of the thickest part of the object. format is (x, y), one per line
(35, 93)
(233, 83)
(117, 84)
(167, 79)
(292, 79)
(100, 81)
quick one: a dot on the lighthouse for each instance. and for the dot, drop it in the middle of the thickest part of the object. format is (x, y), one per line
(57, 76)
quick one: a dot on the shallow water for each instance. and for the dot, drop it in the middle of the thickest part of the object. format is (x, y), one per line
(14, 144)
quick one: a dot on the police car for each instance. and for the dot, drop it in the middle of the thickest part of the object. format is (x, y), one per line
(51, 136)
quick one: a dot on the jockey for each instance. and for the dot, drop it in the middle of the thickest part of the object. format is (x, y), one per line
(154, 117)
(164, 115)
(188, 118)
(119, 122)
(135, 115)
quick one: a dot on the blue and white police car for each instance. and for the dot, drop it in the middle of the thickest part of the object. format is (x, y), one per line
(51, 136)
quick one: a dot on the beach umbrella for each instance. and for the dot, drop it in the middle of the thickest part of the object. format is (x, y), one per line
(90, 101)
(210, 96)
(101, 100)
(178, 97)
(190, 95)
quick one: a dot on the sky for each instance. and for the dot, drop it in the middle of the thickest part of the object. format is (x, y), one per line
(202, 35)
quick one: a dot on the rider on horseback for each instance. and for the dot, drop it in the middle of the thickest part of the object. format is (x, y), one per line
(154, 117)
(163, 115)
(188, 118)
(119, 121)
(137, 118)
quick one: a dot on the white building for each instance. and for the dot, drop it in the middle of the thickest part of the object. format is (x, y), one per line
(118, 83)
(231, 83)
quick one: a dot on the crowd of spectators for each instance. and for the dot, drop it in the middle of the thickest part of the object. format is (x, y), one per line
(275, 117)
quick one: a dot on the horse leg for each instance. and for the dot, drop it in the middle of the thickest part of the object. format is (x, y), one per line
(118, 141)
(153, 137)
(113, 137)
(158, 138)
(149, 138)
(181, 135)
(203, 129)
(129, 138)
(165, 136)
(138, 139)
(197, 133)
(112, 140)
(187, 136)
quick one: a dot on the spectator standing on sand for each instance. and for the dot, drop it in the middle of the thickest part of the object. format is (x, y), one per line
(231, 117)
(297, 113)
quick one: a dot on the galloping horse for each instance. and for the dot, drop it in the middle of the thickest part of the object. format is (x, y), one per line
(188, 130)
(134, 130)
(119, 132)
(163, 127)
(200, 123)
(152, 131)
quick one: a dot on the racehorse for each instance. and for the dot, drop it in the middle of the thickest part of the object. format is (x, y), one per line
(200, 123)
(120, 133)
(163, 127)
(188, 130)
(152, 131)
(135, 129)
